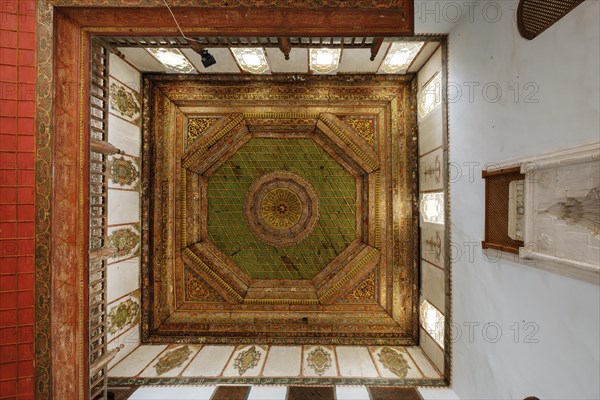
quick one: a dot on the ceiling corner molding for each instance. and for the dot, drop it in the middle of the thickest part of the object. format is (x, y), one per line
(535, 16)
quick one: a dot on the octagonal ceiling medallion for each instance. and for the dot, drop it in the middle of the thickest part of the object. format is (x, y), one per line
(268, 210)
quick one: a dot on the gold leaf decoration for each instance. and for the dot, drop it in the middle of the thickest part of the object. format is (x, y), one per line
(394, 361)
(172, 359)
(124, 101)
(246, 360)
(126, 313)
(281, 208)
(364, 290)
(198, 125)
(197, 290)
(319, 360)
(124, 240)
(122, 171)
(365, 128)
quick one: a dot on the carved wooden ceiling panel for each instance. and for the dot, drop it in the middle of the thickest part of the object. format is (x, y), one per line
(280, 211)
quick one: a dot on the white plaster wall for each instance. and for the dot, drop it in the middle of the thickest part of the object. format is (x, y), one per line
(563, 63)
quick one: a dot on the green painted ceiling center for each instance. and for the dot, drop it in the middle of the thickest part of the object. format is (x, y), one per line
(334, 186)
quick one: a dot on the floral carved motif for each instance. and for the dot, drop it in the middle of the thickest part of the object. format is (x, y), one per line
(124, 101)
(123, 171)
(319, 360)
(172, 359)
(365, 128)
(126, 313)
(246, 360)
(365, 290)
(197, 290)
(124, 240)
(394, 361)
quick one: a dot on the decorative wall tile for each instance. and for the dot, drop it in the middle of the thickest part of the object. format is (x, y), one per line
(124, 102)
(135, 362)
(355, 362)
(210, 361)
(246, 361)
(124, 135)
(432, 245)
(171, 361)
(123, 314)
(123, 207)
(319, 361)
(283, 361)
(395, 363)
(431, 171)
(125, 240)
(123, 278)
(124, 172)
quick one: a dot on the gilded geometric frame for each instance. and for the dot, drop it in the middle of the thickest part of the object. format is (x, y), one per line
(381, 93)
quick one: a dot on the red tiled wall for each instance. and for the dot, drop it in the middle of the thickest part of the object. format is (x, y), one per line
(17, 111)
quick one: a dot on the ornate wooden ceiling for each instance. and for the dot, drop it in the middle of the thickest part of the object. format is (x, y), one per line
(280, 211)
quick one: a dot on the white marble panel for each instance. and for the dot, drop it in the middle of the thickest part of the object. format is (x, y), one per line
(283, 361)
(210, 361)
(298, 62)
(246, 361)
(432, 350)
(433, 285)
(319, 361)
(124, 135)
(151, 371)
(123, 207)
(124, 72)
(431, 131)
(351, 393)
(173, 392)
(123, 278)
(431, 171)
(355, 362)
(359, 60)
(135, 362)
(387, 368)
(268, 393)
(130, 340)
(423, 363)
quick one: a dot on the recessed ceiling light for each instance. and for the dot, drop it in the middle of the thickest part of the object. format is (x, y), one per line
(172, 59)
(251, 60)
(432, 207)
(324, 61)
(400, 56)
